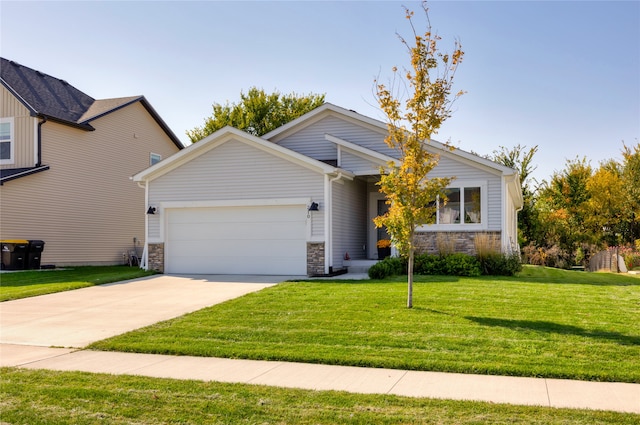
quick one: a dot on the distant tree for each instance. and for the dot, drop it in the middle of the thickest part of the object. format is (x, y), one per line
(521, 159)
(410, 194)
(606, 218)
(631, 188)
(563, 205)
(257, 112)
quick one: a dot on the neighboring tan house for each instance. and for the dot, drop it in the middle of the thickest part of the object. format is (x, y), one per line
(301, 199)
(66, 160)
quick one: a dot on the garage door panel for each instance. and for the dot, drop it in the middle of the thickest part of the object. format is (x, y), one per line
(232, 232)
(228, 240)
(253, 248)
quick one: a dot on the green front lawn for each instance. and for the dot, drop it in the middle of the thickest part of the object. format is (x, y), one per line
(543, 322)
(30, 283)
(46, 397)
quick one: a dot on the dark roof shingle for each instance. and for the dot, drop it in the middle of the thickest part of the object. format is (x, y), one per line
(55, 99)
(43, 94)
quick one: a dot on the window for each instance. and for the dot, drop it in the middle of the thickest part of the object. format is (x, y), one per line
(466, 205)
(154, 158)
(6, 141)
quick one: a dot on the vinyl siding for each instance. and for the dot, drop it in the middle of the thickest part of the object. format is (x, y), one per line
(236, 171)
(357, 164)
(85, 207)
(310, 141)
(24, 130)
(349, 220)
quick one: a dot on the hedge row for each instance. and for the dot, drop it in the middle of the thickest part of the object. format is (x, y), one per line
(449, 265)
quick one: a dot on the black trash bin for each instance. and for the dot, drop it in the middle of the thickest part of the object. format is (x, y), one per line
(34, 255)
(14, 254)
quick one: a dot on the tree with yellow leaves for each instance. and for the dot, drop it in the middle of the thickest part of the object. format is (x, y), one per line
(411, 194)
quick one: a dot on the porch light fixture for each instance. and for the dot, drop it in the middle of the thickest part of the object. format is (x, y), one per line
(312, 207)
(151, 210)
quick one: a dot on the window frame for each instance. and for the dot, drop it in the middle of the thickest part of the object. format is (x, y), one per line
(462, 226)
(151, 157)
(11, 141)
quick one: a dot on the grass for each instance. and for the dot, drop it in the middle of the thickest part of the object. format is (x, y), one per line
(46, 397)
(544, 323)
(25, 284)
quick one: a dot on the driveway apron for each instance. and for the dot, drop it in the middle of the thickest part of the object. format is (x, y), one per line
(79, 317)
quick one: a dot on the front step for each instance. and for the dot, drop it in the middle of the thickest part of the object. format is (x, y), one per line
(359, 266)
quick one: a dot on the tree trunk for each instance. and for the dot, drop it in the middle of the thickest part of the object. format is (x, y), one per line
(410, 280)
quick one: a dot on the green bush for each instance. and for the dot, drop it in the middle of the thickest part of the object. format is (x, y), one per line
(461, 265)
(390, 266)
(449, 265)
(500, 264)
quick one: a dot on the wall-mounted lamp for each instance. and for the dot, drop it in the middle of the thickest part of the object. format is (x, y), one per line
(151, 210)
(312, 207)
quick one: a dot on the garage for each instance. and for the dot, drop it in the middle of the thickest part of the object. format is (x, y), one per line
(264, 239)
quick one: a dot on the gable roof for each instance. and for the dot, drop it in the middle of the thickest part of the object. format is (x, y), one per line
(432, 145)
(231, 133)
(55, 99)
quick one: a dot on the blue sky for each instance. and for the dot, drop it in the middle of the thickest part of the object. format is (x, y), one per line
(564, 76)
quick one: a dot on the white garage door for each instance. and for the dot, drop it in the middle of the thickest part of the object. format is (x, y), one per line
(237, 240)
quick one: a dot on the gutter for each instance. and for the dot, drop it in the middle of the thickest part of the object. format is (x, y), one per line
(39, 142)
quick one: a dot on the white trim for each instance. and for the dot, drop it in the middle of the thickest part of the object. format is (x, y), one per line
(327, 222)
(12, 141)
(233, 203)
(357, 149)
(145, 253)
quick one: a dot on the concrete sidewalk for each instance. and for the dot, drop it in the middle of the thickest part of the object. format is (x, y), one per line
(74, 319)
(620, 397)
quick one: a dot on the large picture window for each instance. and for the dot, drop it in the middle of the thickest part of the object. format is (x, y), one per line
(6, 141)
(465, 206)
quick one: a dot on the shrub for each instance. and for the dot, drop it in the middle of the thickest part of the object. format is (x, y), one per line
(390, 266)
(631, 257)
(450, 265)
(500, 264)
(550, 257)
(461, 265)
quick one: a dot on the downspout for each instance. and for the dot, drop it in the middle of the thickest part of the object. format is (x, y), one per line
(39, 143)
(328, 268)
(145, 251)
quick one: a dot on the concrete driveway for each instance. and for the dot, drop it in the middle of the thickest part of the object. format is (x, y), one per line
(79, 317)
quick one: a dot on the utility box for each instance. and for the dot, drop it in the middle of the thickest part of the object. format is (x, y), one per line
(14, 254)
(34, 255)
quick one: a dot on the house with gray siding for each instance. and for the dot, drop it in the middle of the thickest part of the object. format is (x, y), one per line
(301, 199)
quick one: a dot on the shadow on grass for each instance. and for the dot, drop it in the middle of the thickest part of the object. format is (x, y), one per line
(550, 327)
